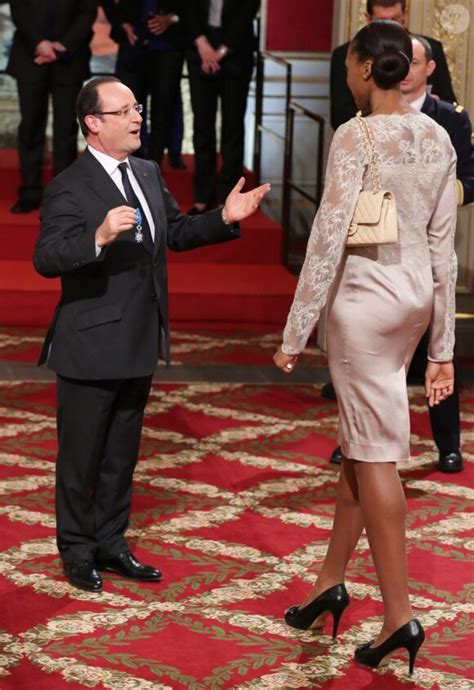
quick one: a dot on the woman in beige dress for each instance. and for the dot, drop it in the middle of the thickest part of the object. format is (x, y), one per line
(380, 301)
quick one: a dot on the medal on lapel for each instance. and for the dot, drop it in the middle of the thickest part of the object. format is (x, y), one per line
(139, 228)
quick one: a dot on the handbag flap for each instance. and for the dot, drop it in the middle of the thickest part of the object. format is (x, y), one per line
(369, 207)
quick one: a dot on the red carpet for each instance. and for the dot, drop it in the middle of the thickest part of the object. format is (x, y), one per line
(233, 500)
(240, 281)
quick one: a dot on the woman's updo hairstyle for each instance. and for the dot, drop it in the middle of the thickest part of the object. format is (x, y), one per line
(388, 44)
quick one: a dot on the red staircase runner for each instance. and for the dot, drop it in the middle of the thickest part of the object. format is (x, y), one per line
(241, 281)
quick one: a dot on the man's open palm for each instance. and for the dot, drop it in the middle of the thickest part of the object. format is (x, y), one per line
(239, 205)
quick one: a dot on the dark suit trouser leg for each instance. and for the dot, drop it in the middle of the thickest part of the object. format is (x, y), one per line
(445, 417)
(204, 94)
(65, 125)
(33, 101)
(234, 93)
(114, 487)
(95, 461)
(174, 137)
(164, 74)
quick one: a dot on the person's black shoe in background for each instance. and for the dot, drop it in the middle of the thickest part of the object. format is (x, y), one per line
(25, 206)
(196, 210)
(328, 392)
(176, 162)
(450, 462)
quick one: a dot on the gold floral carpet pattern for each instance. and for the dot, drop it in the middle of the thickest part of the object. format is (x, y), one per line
(233, 501)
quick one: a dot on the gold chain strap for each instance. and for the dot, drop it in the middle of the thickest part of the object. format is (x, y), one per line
(369, 147)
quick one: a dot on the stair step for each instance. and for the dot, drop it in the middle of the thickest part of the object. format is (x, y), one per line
(241, 281)
(208, 292)
(260, 241)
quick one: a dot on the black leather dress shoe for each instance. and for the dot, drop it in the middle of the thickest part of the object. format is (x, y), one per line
(24, 206)
(83, 575)
(126, 565)
(451, 462)
(328, 392)
(176, 162)
(197, 211)
(336, 456)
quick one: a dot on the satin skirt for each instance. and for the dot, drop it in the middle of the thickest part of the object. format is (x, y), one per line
(376, 316)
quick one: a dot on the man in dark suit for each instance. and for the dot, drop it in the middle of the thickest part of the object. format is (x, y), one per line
(106, 223)
(220, 63)
(150, 61)
(138, 73)
(49, 55)
(342, 105)
(452, 117)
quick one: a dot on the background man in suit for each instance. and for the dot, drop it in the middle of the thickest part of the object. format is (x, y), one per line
(452, 117)
(150, 61)
(341, 102)
(137, 74)
(220, 63)
(445, 418)
(49, 55)
(106, 223)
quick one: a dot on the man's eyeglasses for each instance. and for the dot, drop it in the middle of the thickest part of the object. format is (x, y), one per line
(124, 112)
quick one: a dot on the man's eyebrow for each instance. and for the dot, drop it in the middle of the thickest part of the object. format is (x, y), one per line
(122, 107)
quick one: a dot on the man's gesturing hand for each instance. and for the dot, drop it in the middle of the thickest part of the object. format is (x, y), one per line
(239, 205)
(117, 220)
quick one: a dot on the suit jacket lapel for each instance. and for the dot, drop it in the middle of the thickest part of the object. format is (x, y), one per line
(100, 182)
(429, 105)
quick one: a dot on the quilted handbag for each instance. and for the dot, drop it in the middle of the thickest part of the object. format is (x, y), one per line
(375, 216)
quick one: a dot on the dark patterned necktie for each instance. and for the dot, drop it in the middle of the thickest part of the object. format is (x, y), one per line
(133, 201)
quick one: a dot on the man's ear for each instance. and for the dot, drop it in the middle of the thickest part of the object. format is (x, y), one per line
(430, 67)
(368, 18)
(93, 123)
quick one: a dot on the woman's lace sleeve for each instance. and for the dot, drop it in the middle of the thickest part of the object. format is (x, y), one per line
(444, 268)
(347, 163)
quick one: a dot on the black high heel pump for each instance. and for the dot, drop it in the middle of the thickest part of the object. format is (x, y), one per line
(410, 636)
(333, 600)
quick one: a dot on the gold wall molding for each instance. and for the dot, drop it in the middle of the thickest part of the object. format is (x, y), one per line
(457, 44)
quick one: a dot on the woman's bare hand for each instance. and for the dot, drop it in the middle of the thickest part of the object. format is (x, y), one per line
(285, 362)
(439, 381)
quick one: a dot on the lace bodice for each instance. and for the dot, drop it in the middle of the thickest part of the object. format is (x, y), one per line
(417, 163)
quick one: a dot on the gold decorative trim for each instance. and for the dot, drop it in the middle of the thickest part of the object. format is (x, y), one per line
(455, 44)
